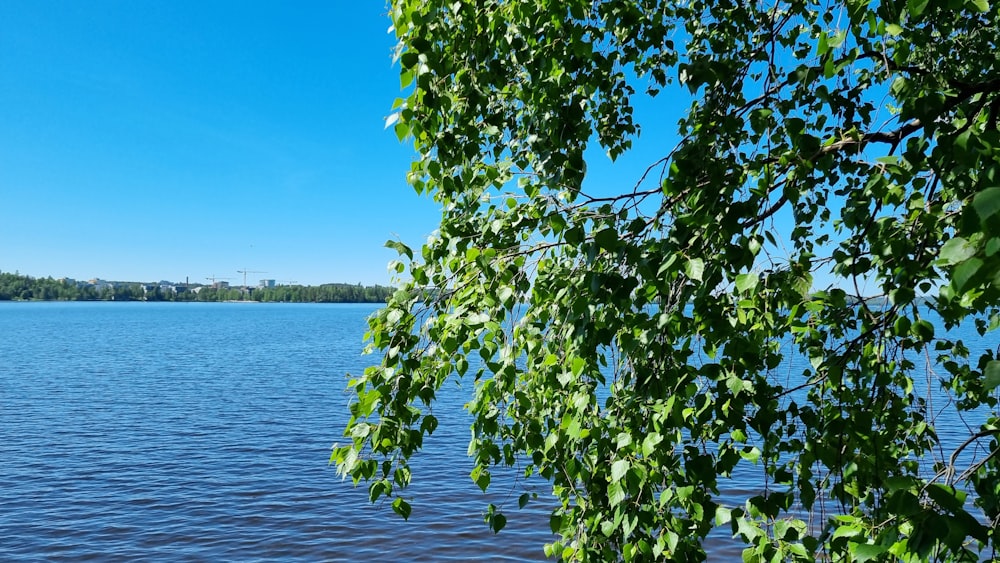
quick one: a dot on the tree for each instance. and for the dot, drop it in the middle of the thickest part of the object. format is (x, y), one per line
(833, 193)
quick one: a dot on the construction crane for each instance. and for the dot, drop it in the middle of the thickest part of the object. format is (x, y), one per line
(245, 272)
(214, 277)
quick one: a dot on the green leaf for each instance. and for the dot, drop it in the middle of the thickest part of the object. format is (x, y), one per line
(956, 250)
(607, 239)
(523, 500)
(746, 282)
(748, 529)
(981, 6)
(498, 522)
(867, 552)
(393, 316)
(361, 430)
(556, 222)
(901, 295)
(991, 375)
(847, 531)
(401, 507)
(555, 522)
(481, 476)
(901, 482)
(624, 440)
(409, 59)
(619, 469)
(965, 273)
(916, 7)
(949, 498)
(992, 246)
(794, 126)
(722, 515)
(506, 295)
(616, 493)
(837, 39)
(402, 130)
(822, 46)
(695, 268)
(987, 203)
(902, 326)
(650, 442)
(923, 330)
(377, 489)
(399, 247)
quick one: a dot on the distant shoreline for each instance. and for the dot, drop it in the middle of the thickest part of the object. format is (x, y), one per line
(139, 301)
(17, 287)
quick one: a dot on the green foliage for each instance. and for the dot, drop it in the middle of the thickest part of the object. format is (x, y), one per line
(834, 187)
(19, 287)
(14, 286)
(326, 293)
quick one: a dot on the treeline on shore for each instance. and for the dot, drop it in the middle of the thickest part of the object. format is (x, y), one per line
(16, 287)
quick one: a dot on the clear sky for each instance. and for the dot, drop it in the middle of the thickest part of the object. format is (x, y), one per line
(144, 141)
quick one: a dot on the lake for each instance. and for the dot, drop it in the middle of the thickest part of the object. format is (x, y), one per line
(202, 431)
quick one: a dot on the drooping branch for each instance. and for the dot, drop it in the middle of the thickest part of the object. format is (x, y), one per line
(892, 138)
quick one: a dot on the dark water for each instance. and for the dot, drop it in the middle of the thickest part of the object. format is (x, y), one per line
(202, 432)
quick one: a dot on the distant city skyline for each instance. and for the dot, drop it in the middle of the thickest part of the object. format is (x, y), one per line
(188, 280)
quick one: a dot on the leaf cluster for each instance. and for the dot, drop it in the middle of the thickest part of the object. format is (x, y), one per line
(833, 195)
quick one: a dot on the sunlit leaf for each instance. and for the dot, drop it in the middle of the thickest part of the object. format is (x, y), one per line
(695, 268)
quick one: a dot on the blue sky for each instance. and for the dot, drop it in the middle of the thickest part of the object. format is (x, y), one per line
(146, 141)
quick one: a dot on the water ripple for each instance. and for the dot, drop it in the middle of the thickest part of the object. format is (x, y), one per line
(201, 432)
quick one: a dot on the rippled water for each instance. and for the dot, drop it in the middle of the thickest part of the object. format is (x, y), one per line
(202, 431)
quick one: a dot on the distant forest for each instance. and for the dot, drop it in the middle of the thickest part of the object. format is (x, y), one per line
(16, 287)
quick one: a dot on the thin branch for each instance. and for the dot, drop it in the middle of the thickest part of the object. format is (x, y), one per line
(763, 217)
(893, 138)
(967, 443)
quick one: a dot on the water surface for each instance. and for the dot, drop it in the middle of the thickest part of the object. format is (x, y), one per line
(202, 431)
